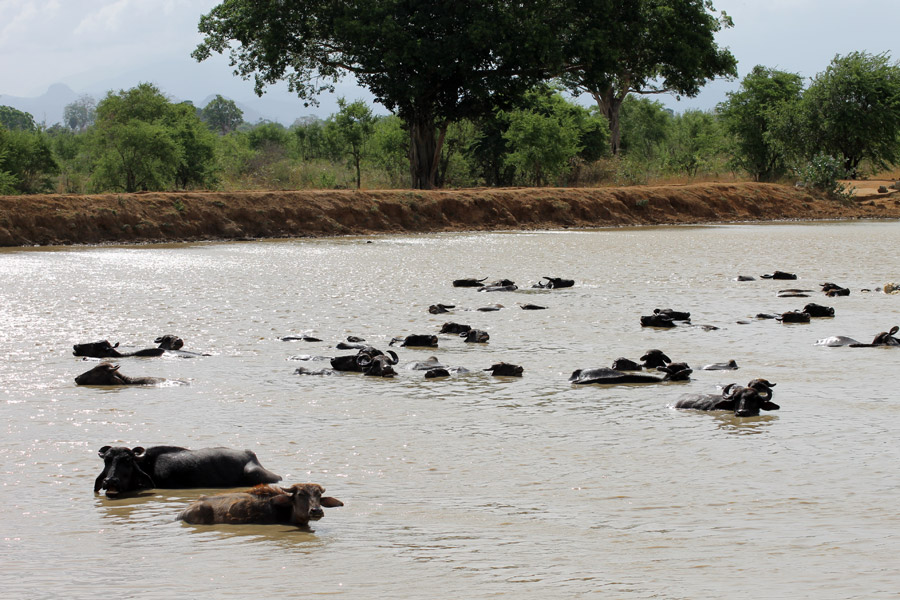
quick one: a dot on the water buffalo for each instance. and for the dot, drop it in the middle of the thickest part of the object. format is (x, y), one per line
(469, 282)
(419, 339)
(380, 365)
(833, 289)
(108, 374)
(437, 309)
(657, 320)
(624, 364)
(675, 315)
(886, 338)
(793, 293)
(103, 349)
(437, 372)
(174, 345)
(491, 308)
(532, 307)
(554, 282)
(606, 376)
(167, 467)
(817, 310)
(299, 338)
(504, 369)
(837, 340)
(655, 358)
(431, 362)
(731, 365)
(264, 504)
(351, 362)
(475, 336)
(745, 278)
(779, 275)
(456, 328)
(793, 316)
(743, 401)
(499, 288)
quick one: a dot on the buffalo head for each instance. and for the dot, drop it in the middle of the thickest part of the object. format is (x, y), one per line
(121, 471)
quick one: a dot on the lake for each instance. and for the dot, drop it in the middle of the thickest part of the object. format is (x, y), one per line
(472, 486)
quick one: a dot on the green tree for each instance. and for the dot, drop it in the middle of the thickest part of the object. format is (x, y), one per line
(13, 118)
(222, 115)
(80, 115)
(389, 149)
(757, 116)
(196, 165)
(26, 161)
(431, 62)
(645, 125)
(644, 47)
(136, 148)
(695, 142)
(543, 139)
(351, 127)
(851, 111)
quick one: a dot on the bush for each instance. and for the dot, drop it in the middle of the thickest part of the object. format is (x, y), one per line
(823, 173)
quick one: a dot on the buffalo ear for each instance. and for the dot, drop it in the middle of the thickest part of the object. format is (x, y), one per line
(102, 452)
(329, 502)
(769, 406)
(138, 450)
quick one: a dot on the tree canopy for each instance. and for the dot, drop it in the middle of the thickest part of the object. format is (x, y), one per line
(222, 115)
(644, 47)
(432, 62)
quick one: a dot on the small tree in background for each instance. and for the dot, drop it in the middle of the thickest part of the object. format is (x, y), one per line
(852, 111)
(757, 116)
(80, 115)
(222, 115)
(14, 119)
(351, 127)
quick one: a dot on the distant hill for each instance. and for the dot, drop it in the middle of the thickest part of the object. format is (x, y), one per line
(46, 108)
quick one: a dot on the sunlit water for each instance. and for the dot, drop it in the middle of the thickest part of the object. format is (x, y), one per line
(472, 486)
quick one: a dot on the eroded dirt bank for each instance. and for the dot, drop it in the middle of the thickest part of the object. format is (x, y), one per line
(187, 216)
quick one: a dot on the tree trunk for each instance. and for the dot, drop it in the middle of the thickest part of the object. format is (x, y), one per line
(424, 150)
(609, 103)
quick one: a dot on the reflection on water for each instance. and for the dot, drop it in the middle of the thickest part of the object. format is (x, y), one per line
(486, 486)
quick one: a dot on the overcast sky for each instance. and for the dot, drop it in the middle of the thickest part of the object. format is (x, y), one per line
(96, 45)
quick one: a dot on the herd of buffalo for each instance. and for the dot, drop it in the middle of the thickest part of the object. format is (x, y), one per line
(128, 470)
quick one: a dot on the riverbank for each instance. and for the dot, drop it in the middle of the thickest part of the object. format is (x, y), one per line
(192, 216)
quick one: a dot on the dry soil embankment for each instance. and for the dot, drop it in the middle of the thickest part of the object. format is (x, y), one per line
(189, 216)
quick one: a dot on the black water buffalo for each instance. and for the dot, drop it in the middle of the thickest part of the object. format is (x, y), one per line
(499, 288)
(655, 358)
(380, 365)
(817, 310)
(174, 345)
(504, 369)
(886, 338)
(675, 315)
(437, 372)
(554, 283)
(793, 316)
(103, 349)
(469, 282)
(832, 289)
(264, 504)
(743, 401)
(352, 362)
(431, 362)
(437, 309)
(793, 293)
(779, 275)
(456, 328)
(475, 336)
(425, 340)
(625, 364)
(167, 467)
(606, 376)
(108, 374)
(350, 346)
(491, 308)
(532, 307)
(745, 278)
(657, 320)
(299, 338)
(731, 365)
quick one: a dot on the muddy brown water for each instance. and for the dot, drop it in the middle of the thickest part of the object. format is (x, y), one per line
(468, 486)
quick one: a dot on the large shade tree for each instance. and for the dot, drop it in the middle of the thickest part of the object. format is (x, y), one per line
(431, 62)
(644, 47)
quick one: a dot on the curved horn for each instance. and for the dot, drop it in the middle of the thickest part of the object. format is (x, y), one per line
(394, 356)
(894, 329)
(730, 390)
(364, 360)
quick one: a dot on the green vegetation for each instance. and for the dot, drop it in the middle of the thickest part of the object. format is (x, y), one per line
(846, 123)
